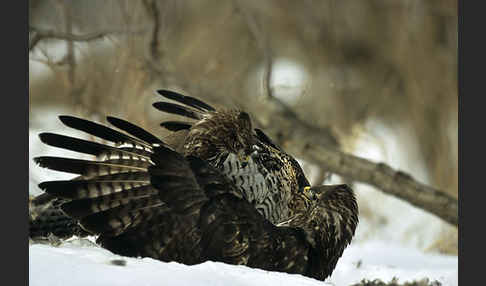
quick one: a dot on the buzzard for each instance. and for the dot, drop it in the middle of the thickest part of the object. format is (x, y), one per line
(223, 192)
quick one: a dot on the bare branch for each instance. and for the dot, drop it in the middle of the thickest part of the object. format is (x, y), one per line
(45, 34)
(381, 176)
(70, 56)
(39, 34)
(153, 11)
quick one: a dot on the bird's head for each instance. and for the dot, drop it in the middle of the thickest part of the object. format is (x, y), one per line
(240, 140)
(330, 221)
(223, 132)
(334, 208)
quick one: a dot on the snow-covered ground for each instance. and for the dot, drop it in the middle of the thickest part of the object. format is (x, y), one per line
(80, 264)
(390, 243)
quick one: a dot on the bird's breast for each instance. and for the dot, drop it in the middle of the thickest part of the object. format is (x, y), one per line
(259, 186)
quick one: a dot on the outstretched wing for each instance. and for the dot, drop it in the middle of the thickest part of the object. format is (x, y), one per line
(144, 199)
(118, 196)
(112, 193)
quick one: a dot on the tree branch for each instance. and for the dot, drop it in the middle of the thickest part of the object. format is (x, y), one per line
(379, 175)
(39, 34)
(46, 34)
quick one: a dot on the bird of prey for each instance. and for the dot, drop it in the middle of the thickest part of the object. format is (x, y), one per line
(225, 193)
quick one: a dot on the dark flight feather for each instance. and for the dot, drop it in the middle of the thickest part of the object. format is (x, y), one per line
(176, 125)
(73, 144)
(133, 130)
(80, 189)
(178, 110)
(89, 168)
(99, 130)
(89, 147)
(80, 209)
(187, 100)
(116, 220)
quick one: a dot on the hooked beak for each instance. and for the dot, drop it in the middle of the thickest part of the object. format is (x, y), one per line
(319, 191)
(245, 156)
(308, 193)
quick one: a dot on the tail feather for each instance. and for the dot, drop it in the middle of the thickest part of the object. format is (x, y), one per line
(187, 100)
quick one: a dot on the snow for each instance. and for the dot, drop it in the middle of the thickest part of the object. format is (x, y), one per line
(75, 263)
(380, 259)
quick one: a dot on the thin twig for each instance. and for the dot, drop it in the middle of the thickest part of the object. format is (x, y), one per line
(39, 34)
(45, 34)
(70, 56)
(153, 11)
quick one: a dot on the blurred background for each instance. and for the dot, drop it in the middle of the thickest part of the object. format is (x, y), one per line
(379, 76)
